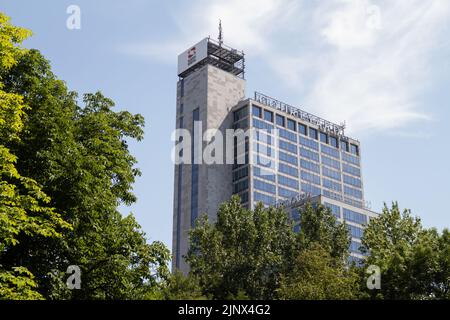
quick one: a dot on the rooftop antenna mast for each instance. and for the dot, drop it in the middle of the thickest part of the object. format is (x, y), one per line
(220, 33)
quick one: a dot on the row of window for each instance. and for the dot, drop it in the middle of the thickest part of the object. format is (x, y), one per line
(311, 166)
(309, 154)
(290, 124)
(263, 137)
(336, 210)
(286, 193)
(265, 199)
(327, 183)
(263, 174)
(354, 247)
(310, 177)
(264, 186)
(287, 135)
(355, 217)
(329, 151)
(352, 181)
(240, 186)
(284, 168)
(264, 150)
(240, 173)
(331, 162)
(351, 170)
(288, 158)
(350, 159)
(309, 143)
(330, 173)
(355, 232)
(288, 146)
(288, 182)
(353, 192)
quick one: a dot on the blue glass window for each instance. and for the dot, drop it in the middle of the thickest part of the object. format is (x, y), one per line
(288, 182)
(263, 161)
(353, 192)
(352, 181)
(257, 112)
(344, 145)
(288, 158)
(264, 186)
(354, 149)
(286, 193)
(336, 175)
(309, 154)
(336, 210)
(355, 231)
(268, 115)
(288, 170)
(349, 158)
(334, 142)
(264, 150)
(313, 133)
(312, 190)
(262, 137)
(263, 174)
(265, 199)
(262, 125)
(309, 166)
(323, 137)
(240, 114)
(280, 120)
(352, 170)
(291, 124)
(310, 177)
(331, 162)
(355, 217)
(288, 135)
(240, 186)
(309, 143)
(288, 146)
(302, 129)
(330, 151)
(327, 183)
(194, 174)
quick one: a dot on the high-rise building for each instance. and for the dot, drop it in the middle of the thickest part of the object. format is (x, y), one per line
(288, 156)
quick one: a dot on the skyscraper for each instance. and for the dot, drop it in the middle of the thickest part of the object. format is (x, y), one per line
(288, 156)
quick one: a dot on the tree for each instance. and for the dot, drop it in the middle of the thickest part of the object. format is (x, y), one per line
(319, 225)
(320, 270)
(180, 287)
(244, 251)
(25, 212)
(79, 156)
(317, 275)
(413, 260)
(250, 253)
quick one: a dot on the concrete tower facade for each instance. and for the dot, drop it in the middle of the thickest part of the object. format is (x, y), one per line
(208, 88)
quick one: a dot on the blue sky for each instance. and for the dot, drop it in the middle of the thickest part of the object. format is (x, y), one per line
(381, 66)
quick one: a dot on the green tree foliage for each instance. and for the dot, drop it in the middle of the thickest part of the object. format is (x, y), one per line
(180, 287)
(243, 251)
(25, 210)
(248, 253)
(320, 270)
(319, 225)
(317, 275)
(79, 156)
(414, 261)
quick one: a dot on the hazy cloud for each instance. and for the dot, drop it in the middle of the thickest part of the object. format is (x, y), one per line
(362, 61)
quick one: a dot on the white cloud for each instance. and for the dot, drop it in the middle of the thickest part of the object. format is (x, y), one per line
(362, 61)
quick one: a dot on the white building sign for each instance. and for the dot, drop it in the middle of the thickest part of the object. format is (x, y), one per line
(192, 56)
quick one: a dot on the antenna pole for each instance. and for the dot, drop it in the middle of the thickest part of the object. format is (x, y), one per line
(220, 33)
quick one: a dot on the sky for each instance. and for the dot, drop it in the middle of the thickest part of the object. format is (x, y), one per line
(383, 67)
